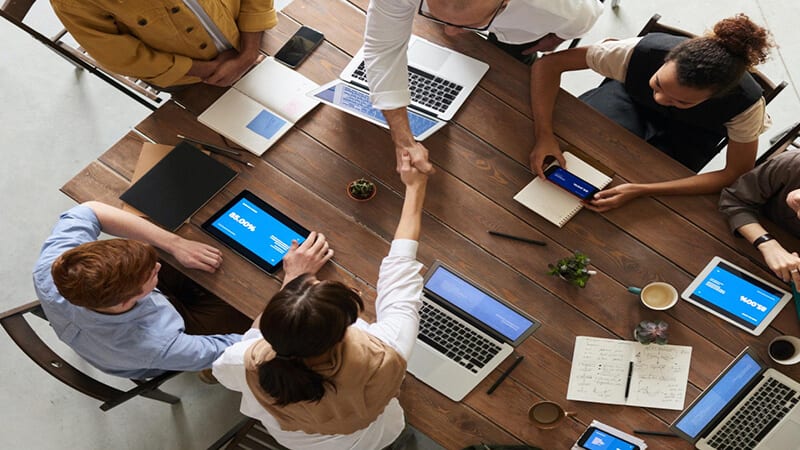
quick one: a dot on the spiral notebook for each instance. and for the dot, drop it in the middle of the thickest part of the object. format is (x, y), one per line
(553, 203)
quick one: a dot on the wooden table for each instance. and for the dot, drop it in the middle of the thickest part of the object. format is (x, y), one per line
(481, 160)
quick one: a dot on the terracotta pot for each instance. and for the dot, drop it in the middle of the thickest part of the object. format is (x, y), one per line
(374, 191)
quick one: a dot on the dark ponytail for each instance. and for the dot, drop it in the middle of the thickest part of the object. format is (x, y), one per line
(719, 60)
(304, 319)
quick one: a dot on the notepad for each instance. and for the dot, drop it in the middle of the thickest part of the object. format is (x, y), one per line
(261, 107)
(172, 191)
(600, 373)
(552, 202)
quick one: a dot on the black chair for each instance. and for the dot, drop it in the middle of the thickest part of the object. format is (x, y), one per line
(15, 11)
(21, 332)
(783, 141)
(248, 434)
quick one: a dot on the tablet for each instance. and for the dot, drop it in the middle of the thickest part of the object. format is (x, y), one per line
(255, 230)
(735, 295)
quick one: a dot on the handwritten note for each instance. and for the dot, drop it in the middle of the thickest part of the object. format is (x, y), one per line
(600, 373)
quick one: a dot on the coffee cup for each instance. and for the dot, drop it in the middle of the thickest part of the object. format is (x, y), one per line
(785, 350)
(547, 414)
(657, 295)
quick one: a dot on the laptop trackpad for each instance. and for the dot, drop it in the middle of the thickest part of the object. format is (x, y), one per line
(427, 56)
(785, 435)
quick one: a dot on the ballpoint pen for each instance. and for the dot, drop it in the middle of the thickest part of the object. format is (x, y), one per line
(210, 147)
(505, 374)
(517, 238)
(628, 383)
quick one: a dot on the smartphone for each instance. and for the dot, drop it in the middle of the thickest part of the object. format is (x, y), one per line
(597, 439)
(570, 182)
(299, 46)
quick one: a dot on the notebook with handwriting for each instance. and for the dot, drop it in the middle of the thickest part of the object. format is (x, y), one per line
(601, 368)
(552, 202)
(261, 107)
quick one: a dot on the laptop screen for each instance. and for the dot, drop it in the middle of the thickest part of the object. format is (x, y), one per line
(356, 101)
(715, 399)
(486, 309)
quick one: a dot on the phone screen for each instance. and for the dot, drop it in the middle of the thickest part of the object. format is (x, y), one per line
(299, 46)
(594, 439)
(570, 182)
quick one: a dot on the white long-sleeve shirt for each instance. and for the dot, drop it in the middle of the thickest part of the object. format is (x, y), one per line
(397, 311)
(389, 24)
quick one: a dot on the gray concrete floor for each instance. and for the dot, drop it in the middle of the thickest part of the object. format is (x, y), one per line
(56, 120)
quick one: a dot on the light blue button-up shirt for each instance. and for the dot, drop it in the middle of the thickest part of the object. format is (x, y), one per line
(140, 343)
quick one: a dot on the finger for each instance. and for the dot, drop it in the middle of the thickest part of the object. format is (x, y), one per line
(294, 246)
(561, 160)
(405, 162)
(318, 244)
(328, 255)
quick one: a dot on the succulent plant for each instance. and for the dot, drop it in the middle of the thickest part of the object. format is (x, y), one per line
(647, 332)
(361, 189)
(572, 268)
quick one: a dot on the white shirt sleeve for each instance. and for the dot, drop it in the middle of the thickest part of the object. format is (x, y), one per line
(386, 37)
(610, 57)
(228, 369)
(399, 298)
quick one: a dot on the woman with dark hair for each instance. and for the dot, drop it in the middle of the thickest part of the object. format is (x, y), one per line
(681, 95)
(316, 375)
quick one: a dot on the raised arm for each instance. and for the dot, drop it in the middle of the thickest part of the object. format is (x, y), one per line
(545, 83)
(411, 215)
(191, 254)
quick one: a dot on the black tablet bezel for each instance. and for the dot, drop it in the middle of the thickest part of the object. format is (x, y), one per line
(245, 253)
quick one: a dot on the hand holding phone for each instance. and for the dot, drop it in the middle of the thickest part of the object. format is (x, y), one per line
(570, 182)
(299, 46)
(596, 439)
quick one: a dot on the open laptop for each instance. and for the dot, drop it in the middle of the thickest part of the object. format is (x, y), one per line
(747, 407)
(440, 79)
(465, 333)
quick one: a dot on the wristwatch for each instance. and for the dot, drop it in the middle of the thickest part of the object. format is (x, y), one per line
(761, 239)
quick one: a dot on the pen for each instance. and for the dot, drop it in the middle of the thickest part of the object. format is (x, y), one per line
(517, 238)
(505, 375)
(210, 147)
(655, 433)
(628, 383)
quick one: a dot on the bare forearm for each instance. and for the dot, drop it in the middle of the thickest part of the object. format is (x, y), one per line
(545, 82)
(399, 126)
(250, 44)
(411, 215)
(123, 224)
(706, 183)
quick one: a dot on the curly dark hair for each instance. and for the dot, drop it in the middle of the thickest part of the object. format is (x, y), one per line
(718, 60)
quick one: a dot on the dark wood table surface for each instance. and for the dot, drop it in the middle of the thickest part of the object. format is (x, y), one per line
(481, 159)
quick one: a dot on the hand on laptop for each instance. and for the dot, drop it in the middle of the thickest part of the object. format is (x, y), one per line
(307, 257)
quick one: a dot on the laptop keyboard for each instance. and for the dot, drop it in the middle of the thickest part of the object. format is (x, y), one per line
(757, 417)
(453, 339)
(427, 90)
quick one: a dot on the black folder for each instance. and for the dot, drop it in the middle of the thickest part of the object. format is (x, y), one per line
(178, 186)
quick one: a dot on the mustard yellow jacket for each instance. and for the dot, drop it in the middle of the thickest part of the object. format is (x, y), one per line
(156, 40)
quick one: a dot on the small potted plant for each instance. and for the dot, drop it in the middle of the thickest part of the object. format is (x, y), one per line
(648, 332)
(572, 269)
(361, 189)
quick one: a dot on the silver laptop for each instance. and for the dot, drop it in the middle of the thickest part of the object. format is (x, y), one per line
(440, 79)
(465, 333)
(747, 407)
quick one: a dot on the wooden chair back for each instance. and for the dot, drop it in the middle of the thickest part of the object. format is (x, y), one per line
(781, 143)
(26, 338)
(245, 435)
(15, 11)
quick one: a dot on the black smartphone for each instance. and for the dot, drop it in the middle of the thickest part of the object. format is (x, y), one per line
(570, 182)
(299, 46)
(597, 439)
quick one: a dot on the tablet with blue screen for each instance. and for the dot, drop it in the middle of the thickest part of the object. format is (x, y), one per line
(732, 293)
(255, 230)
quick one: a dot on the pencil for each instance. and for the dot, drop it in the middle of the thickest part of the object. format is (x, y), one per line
(517, 238)
(505, 375)
(655, 433)
(210, 147)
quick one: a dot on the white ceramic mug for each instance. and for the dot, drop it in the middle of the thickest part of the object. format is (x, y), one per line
(657, 295)
(785, 350)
